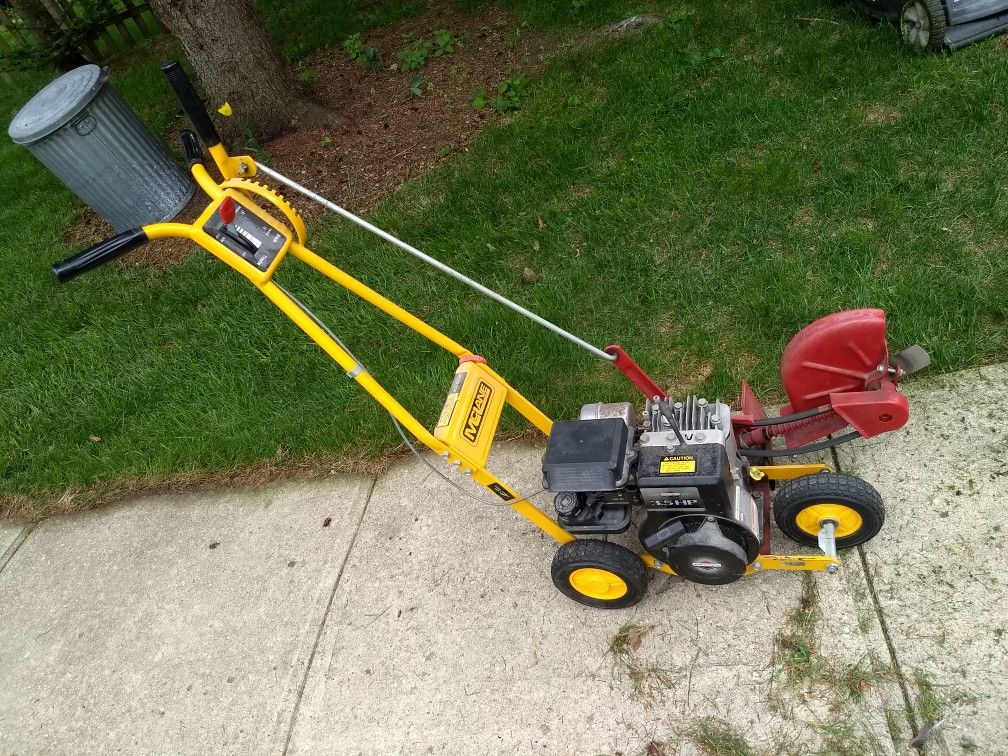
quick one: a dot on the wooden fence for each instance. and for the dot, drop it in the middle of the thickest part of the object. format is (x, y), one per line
(131, 23)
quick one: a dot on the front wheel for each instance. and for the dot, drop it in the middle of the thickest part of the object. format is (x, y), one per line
(599, 574)
(803, 504)
(922, 24)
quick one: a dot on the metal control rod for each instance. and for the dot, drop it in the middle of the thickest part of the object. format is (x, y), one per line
(434, 262)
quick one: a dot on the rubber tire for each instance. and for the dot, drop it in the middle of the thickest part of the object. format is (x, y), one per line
(797, 494)
(619, 560)
(939, 25)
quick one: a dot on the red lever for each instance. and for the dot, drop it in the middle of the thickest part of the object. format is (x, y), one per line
(634, 373)
(227, 211)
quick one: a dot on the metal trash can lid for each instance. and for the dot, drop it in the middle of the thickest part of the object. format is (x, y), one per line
(57, 103)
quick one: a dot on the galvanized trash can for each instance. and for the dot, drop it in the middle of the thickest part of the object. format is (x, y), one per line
(80, 129)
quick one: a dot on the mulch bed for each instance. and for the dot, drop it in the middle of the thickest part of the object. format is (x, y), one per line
(389, 134)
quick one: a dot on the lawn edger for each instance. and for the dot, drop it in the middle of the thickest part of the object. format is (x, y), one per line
(699, 480)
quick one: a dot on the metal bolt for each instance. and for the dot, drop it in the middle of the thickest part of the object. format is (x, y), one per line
(832, 569)
(242, 166)
(757, 566)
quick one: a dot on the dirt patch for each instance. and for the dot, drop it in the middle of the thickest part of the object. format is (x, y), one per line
(390, 134)
(803, 216)
(882, 114)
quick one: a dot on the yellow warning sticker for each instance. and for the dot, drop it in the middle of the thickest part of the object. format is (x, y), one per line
(679, 464)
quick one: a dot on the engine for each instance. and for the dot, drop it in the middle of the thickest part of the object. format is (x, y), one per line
(676, 472)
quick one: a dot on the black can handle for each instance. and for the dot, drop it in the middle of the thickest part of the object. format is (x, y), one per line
(99, 254)
(191, 104)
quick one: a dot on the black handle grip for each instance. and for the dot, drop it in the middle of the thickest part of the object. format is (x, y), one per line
(99, 254)
(191, 104)
(191, 148)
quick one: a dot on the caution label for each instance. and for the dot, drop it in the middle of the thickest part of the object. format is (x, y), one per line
(677, 464)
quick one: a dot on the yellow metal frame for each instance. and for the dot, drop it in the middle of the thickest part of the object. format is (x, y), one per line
(784, 472)
(236, 171)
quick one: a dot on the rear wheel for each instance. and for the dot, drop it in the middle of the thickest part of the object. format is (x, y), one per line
(803, 504)
(922, 24)
(599, 574)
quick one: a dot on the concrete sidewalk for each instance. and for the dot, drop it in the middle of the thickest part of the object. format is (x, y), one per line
(419, 621)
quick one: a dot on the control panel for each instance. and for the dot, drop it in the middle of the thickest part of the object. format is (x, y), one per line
(244, 231)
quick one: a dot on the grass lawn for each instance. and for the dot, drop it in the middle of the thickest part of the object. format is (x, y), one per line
(697, 193)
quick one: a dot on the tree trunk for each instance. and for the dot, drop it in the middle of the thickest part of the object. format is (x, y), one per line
(236, 62)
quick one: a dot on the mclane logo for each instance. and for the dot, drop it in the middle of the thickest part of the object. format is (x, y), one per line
(477, 412)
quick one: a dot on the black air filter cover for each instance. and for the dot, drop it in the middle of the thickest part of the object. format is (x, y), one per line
(585, 455)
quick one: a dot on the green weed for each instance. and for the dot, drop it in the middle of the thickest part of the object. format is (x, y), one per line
(444, 42)
(717, 738)
(797, 641)
(306, 77)
(510, 94)
(414, 55)
(929, 705)
(364, 55)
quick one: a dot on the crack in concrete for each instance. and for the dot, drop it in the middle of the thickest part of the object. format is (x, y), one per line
(12, 549)
(900, 678)
(877, 605)
(325, 618)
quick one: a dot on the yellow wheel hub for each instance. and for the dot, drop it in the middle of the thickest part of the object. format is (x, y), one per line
(847, 520)
(598, 583)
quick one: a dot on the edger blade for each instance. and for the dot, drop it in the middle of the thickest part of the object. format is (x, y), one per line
(912, 359)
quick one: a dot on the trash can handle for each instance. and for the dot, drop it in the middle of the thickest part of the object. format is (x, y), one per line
(191, 103)
(99, 254)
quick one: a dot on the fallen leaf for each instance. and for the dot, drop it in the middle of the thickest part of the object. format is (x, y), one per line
(530, 276)
(635, 636)
(93, 437)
